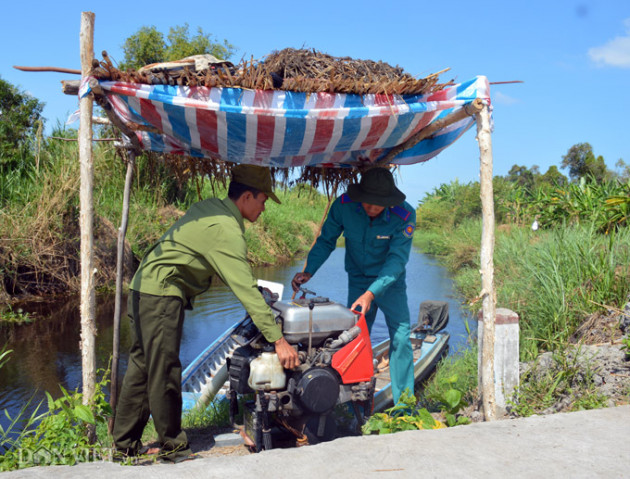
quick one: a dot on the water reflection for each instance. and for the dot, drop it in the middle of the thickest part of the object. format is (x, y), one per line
(46, 352)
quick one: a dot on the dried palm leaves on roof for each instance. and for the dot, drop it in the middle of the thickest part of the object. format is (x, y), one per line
(302, 70)
(218, 172)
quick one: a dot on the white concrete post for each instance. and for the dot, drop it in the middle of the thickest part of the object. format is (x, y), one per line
(506, 356)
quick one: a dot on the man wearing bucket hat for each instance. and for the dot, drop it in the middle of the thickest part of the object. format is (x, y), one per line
(207, 240)
(378, 226)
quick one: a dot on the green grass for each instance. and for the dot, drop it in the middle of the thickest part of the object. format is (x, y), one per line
(17, 315)
(457, 371)
(216, 414)
(39, 227)
(286, 230)
(554, 279)
(60, 434)
(564, 382)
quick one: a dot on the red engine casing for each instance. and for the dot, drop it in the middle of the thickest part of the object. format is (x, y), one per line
(354, 362)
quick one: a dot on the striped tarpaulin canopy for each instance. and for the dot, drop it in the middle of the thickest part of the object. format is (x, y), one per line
(291, 129)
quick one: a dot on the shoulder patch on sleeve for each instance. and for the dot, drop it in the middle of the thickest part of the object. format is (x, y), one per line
(402, 212)
(409, 229)
(346, 199)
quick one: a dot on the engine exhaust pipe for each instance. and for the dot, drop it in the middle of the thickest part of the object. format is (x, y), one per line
(345, 337)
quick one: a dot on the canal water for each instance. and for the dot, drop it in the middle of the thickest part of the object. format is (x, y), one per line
(46, 351)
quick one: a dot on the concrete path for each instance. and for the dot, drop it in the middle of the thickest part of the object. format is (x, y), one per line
(572, 445)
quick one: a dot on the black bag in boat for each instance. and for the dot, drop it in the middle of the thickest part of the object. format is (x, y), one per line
(433, 316)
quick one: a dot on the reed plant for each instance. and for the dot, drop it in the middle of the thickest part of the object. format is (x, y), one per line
(605, 205)
(35, 204)
(555, 278)
(575, 264)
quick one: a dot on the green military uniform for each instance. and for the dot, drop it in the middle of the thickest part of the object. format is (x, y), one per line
(207, 240)
(377, 252)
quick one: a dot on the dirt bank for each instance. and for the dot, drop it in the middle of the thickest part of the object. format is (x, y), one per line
(50, 265)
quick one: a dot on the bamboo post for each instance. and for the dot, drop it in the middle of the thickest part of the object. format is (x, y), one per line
(48, 69)
(470, 109)
(86, 218)
(122, 232)
(486, 381)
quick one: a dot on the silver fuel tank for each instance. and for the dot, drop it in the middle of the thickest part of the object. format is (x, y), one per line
(329, 319)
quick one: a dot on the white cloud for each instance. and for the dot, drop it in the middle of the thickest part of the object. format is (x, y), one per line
(503, 99)
(616, 52)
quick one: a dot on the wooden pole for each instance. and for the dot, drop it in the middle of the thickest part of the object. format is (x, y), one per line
(486, 381)
(47, 69)
(122, 232)
(468, 110)
(86, 218)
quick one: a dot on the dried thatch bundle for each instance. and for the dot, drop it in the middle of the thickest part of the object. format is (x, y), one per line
(217, 172)
(309, 70)
(301, 70)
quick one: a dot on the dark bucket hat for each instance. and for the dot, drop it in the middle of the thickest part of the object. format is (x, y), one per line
(376, 187)
(255, 176)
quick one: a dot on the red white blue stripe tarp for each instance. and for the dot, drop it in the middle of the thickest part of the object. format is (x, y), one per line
(291, 129)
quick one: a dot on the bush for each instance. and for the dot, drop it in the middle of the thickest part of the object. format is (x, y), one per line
(58, 436)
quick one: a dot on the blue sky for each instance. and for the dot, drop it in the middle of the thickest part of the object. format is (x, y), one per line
(573, 57)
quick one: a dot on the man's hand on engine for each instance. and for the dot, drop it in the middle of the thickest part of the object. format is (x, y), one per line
(365, 300)
(286, 354)
(299, 279)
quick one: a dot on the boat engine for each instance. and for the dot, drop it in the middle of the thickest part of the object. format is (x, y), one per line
(296, 405)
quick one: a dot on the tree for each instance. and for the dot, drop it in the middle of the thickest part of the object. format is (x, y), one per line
(181, 45)
(554, 177)
(624, 173)
(582, 163)
(523, 176)
(145, 46)
(20, 117)
(148, 45)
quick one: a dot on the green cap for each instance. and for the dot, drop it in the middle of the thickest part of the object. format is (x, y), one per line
(376, 187)
(255, 176)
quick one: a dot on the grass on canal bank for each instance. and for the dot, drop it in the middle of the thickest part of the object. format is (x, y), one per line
(569, 283)
(39, 227)
(554, 279)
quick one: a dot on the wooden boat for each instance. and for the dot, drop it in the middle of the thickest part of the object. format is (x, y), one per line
(206, 377)
(428, 349)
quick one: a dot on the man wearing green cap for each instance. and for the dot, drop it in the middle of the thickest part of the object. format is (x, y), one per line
(378, 226)
(207, 240)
